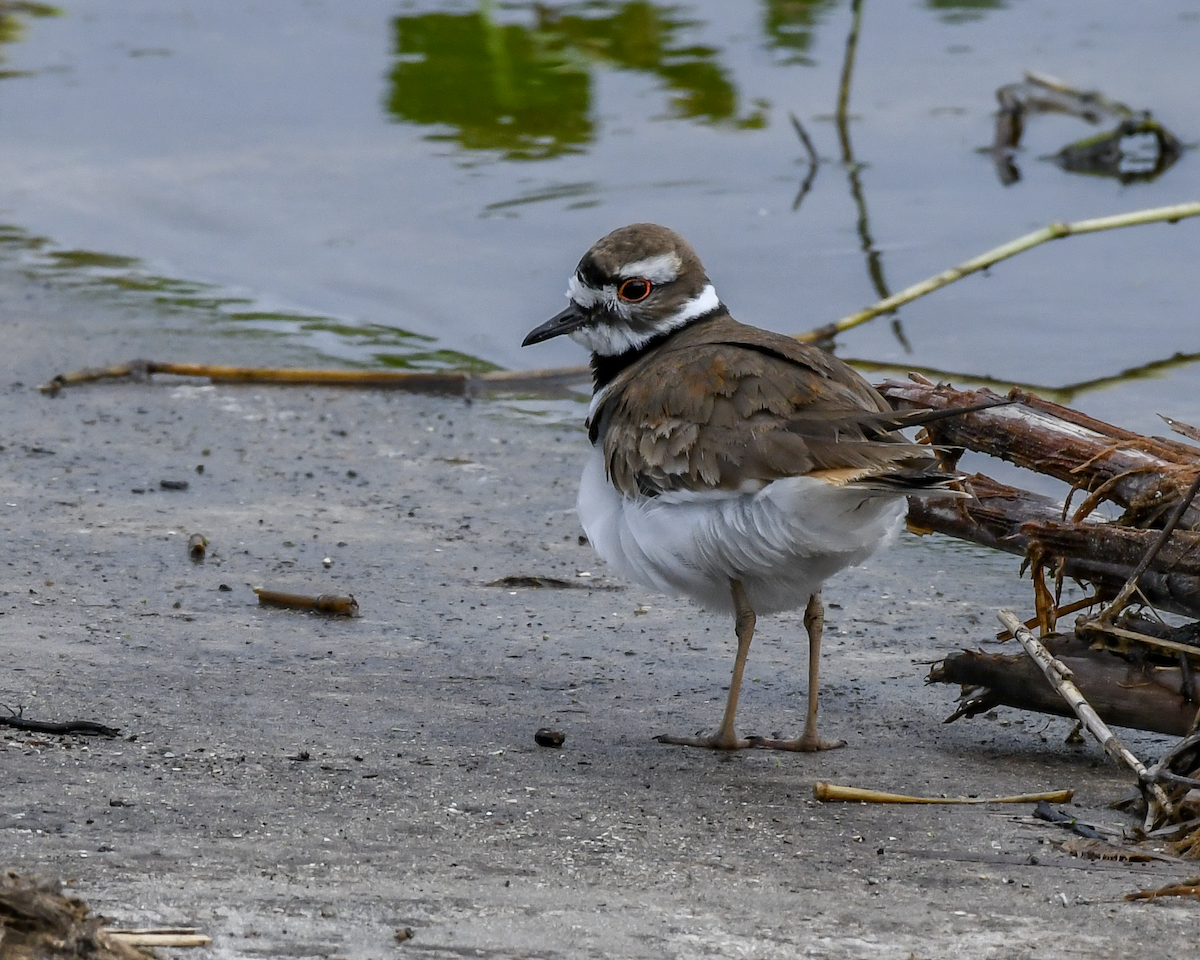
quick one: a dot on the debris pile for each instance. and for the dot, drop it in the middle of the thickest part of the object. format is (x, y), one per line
(1129, 667)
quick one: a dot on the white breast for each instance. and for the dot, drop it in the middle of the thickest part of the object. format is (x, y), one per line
(782, 541)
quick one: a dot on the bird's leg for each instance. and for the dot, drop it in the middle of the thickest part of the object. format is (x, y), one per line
(725, 737)
(809, 741)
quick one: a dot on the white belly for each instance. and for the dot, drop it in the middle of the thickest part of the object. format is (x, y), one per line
(782, 542)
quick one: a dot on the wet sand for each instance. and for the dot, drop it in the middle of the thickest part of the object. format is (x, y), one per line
(300, 786)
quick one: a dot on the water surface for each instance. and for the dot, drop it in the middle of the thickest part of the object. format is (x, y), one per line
(410, 183)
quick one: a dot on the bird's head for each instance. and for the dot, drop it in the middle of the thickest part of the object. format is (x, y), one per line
(636, 284)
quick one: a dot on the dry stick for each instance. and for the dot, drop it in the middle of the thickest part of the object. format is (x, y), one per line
(1183, 429)
(154, 937)
(831, 791)
(453, 382)
(1175, 890)
(1106, 616)
(1059, 612)
(1051, 232)
(1062, 394)
(1060, 678)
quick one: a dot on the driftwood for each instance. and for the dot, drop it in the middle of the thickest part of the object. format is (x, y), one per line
(1116, 667)
(1102, 554)
(86, 727)
(37, 922)
(1144, 696)
(1145, 476)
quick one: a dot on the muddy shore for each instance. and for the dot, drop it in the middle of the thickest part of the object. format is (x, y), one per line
(305, 787)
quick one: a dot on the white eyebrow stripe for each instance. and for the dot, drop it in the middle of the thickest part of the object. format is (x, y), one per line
(660, 269)
(706, 301)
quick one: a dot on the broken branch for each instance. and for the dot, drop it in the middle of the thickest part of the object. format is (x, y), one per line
(1053, 231)
(1060, 677)
(86, 727)
(1137, 695)
(450, 382)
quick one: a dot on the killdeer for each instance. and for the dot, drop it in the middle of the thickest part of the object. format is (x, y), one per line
(729, 464)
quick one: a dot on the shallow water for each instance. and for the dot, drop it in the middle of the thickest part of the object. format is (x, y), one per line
(411, 183)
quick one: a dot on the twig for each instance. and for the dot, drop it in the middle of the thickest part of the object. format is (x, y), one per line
(1061, 394)
(1060, 678)
(85, 727)
(1174, 890)
(831, 791)
(1059, 612)
(457, 383)
(159, 937)
(1122, 598)
(1183, 429)
(1053, 231)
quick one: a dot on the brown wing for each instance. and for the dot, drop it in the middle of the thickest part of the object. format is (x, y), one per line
(730, 406)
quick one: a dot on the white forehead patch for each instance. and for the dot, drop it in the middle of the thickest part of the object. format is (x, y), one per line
(580, 293)
(660, 269)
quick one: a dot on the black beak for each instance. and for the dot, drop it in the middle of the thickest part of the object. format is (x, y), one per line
(570, 319)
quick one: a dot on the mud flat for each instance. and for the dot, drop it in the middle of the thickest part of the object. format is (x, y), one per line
(301, 786)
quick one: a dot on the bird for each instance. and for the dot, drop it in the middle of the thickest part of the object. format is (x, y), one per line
(729, 464)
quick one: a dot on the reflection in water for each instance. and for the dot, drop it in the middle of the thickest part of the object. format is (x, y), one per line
(525, 89)
(200, 304)
(1138, 149)
(789, 26)
(377, 345)
(852, 166)
(12, 26)
(962, 11)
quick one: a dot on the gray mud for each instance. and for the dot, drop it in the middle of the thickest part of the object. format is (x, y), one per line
(299, 786)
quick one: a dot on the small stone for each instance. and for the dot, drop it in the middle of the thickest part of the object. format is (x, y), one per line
(546, 737)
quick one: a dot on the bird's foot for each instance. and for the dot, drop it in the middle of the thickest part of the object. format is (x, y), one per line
(807, 743)
(714, 741)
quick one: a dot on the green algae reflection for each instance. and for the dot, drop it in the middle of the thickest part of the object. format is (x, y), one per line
(790, 26)
(204, 306)
(526, 89)
(12, 26)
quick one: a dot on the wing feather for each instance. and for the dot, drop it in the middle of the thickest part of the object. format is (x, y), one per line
(734, 407)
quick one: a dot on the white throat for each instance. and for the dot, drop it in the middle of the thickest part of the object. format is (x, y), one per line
(611, 340)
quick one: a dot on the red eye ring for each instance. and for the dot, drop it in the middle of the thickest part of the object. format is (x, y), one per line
(634, 290)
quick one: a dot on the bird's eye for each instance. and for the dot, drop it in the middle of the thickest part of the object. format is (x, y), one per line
(634, 291)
